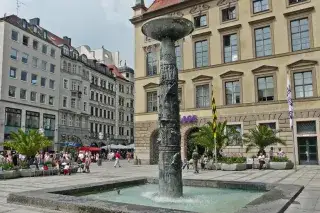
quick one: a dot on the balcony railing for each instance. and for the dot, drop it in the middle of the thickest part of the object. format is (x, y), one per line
(94, 86)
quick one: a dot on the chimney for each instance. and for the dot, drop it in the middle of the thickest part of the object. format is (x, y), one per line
(35, 21)
(67, 40)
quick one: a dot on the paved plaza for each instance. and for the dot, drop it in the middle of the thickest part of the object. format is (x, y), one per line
(307, 202)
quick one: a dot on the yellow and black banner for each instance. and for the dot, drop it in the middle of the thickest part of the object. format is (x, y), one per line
(214, 116)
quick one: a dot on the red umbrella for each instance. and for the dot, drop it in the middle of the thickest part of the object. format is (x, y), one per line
(89, 149)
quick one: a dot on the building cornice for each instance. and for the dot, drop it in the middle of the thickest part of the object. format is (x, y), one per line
(166, 10)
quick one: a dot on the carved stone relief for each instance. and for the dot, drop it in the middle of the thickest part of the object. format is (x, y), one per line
(199, 8)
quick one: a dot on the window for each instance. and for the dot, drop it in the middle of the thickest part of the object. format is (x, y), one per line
(24, 76)
(73, 103)
(13, 72)
(232, 89)
(35, 44)
(202, 96)
(12, 91)
(303, 84)
(200, 21)
(44, 65)
(24, 58)
(77, 121)
(105, 113)
(291, 2)
(92, 95)
(152, 64)
(63, 119)
(152, 101)
(53, 53)
(85, 106)
(49, 122)
(23, 94)
(74, 68)
(34, 79)
(112, 101)
(42, 98)
(44, 49)
(65, 102)
(97, 97)
(127, 75)
(260, 6)
(97, 112)
(101, 98)
(236, 137)
(14, 54)
(70, 120)
(265, 89)
(178, 57)
(35, 62)
(85, 90)
(271, 125)
(230, 48)
(33, 96)
(51, 84)
(43, 82)
(51, 100)
(201, 53)
(32, 120)
(65, 83)
(101, 113)
(112, 116)
(69, 67)
(300, 38)
(263, 41)
(13, 117)
(25, 40)
(229, 14)
(14, 35)
(73, 85)
(52, 68)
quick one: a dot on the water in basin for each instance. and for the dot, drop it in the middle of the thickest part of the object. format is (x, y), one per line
(196, 199)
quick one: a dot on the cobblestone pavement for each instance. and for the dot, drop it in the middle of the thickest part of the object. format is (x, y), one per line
(307, 202)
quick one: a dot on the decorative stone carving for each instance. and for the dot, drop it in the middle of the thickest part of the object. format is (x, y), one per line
(151, 48)
(168, 30)
(178, 14)
(199, 8)
(224, 2)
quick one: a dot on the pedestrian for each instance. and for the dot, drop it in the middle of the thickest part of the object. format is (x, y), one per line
(87, 164)
(195, 157)
(117, 159)
(185, 164)
(271, 153)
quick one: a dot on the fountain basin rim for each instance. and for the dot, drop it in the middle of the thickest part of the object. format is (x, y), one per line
(276, 199)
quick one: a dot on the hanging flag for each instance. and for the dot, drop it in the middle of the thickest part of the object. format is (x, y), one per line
(214, 116)
(289, 99)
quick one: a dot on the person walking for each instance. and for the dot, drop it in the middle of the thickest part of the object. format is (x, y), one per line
(195, 157)
(117, 163)
(271, 153)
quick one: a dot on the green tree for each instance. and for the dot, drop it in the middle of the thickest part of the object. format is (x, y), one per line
(261, 137)
(27, 143)
(204, 137)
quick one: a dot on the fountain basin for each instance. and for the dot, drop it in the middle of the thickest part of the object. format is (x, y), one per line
(270, 198)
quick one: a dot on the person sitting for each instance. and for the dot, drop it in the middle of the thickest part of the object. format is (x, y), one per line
(261, 159)
(66, 169)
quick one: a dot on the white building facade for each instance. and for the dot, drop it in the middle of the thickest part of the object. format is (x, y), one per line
(29, 78)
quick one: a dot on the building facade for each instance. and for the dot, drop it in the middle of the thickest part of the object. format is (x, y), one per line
(244, 51)
(30, 78)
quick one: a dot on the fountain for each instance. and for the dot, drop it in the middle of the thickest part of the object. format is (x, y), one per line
(136, 195)
(168, 30)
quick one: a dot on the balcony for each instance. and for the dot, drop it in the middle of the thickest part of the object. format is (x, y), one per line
(94, 86)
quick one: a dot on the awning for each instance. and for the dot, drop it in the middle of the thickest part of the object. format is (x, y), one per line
(89, 149)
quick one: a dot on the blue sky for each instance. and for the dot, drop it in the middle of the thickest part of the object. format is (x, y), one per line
(91, 22)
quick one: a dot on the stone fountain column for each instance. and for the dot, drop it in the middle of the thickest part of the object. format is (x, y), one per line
(167, 30)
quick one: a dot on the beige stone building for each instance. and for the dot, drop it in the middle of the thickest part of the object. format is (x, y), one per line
(242, 51)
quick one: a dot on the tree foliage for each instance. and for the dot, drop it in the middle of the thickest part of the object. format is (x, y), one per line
(224, 136)
(27, 143)
(261, 137)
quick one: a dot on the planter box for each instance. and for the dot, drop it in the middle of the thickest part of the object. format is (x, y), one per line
(233, 167)
(281, 165)
(11, 174)
(26, 173)
(211, 165)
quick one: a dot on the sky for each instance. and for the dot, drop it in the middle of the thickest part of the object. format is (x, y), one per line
(95, 23)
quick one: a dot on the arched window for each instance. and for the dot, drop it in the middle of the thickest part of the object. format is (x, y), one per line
(69, 67)
(64, 65)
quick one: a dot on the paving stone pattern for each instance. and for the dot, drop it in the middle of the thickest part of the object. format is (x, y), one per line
(307, 202)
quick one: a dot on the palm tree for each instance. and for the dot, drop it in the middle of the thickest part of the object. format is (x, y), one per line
(261, 137)
(27, 143)
(204, 136)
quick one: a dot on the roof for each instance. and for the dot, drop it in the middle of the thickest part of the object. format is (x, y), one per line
(159, 4)
(116, 71)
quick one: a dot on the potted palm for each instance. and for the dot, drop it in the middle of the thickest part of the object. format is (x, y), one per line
(281, 163)
(261, 137)
(204, 137)
(233, 163)
(28, 144)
